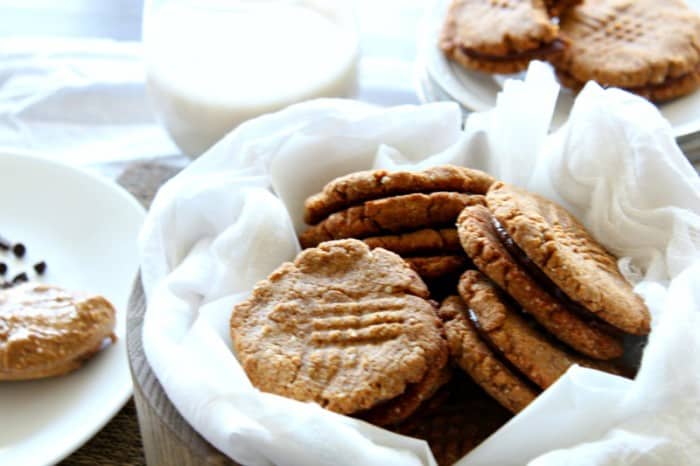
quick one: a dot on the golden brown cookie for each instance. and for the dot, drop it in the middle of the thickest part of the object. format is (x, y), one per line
(560, 247)
(523, 345)
(46, 331)
(401, 407)
(344, 326)
(482, 243)
(455, 421)
(359, 187)
(389, 215)
(475, 357)
(648, 47)
(436, 267)
(499, 36)
(425, 241)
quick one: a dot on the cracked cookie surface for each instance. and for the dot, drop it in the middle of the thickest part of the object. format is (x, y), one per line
(483, 245)
(344, 326)
(569, 256)
(355, 188)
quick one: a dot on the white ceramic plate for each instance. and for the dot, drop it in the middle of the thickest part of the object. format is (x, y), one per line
(478, 91)
(85, 228)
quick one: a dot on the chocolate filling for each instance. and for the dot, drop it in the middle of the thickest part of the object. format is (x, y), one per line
(548, 285)
(554, 47)
(501, 356)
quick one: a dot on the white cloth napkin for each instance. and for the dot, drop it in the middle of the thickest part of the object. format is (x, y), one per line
(230, 218)
(82, 101)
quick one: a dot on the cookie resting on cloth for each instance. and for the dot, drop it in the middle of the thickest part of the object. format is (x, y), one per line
(648, 47)
(559, 246)
(483, 245)
(344, 326)
(499, 36)
(478, 360)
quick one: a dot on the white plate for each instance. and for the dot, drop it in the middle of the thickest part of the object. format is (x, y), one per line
(85, 228)
(478, 91)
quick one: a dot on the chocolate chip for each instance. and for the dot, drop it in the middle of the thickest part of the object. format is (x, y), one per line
(4, 244)
(19, 250)
(3, 268)
(40, 267)
(5, 285)
(20, 278)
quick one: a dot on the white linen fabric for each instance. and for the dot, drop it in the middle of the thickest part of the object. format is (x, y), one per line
(230, 218)
(82, 101)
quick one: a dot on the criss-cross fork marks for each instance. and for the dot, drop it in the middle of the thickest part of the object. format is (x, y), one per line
(372, 321)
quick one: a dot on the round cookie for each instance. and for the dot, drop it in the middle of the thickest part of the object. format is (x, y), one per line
(425, 241)
(389, 215)
(343, 326)
(499, 36)
(481, 242)
(46, 331)
(479, 361)
(359, 187)
(435, 267)
(567, 254)
(648, 47)
(529, 350)
(455, 421)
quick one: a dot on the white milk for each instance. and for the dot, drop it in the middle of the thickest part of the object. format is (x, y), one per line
(212, 65)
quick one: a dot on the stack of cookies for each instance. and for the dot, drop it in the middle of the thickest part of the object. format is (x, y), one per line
(410, 213)
(647, 47)
(352, 325)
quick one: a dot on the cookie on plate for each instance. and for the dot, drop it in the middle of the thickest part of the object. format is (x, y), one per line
(647, 47)
(495, 375)
(46, 331)
(356, 188)
(499, 36)
(560, 254)
(394, 214)
(481, 241)
(343, 326)
(517, 341)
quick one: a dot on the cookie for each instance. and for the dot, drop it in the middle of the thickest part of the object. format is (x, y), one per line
(499, 36)
(420, 242)
(46, 331)
(558, 249)
(359, 187)
(455, 421)
(401, 407)
(648, 47)
(343, 326)
(475, 357)
(435, 267)
(389, 215)
(522, 344)
(482, 244)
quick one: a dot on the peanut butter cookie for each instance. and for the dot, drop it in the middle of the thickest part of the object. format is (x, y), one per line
(499, 36)
(648, 47)
(389, 215)
(344, 326)
(46, 331)
(359, 187)
(493, 374)
(435, 267)
(478, 231)
(520, 343)
(561, 250)
(425, 241)
(557, 7)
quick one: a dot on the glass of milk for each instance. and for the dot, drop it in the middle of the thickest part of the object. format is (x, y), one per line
(212, 64)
